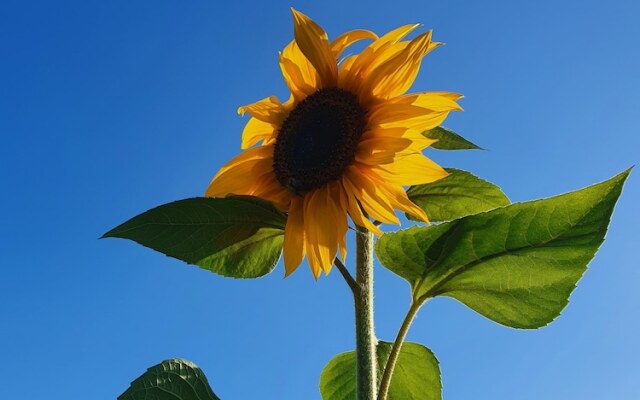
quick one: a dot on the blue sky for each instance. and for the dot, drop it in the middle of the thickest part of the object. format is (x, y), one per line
(110, 108)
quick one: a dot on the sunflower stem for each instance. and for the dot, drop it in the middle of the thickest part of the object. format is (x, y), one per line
(395, 350)
(366, 364)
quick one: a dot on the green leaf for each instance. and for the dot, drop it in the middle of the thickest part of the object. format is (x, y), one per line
(449, 140)
(516, 265)
(173, 379)
(238, 236)
(416, 376)
(455, 196)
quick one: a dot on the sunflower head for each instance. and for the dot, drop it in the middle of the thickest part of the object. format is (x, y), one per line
(344, 144)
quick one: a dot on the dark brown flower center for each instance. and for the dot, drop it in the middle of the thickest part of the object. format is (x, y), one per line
(318, 140)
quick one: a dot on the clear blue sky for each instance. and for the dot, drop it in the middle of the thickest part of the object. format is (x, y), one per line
(108, 108)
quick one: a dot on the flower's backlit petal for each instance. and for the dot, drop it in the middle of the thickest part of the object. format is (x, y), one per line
(418, 141)
(268, 110)
(270, 189)
(421, 120)
(256, 153)
(410, 169)
(434, 101)
(255, 131)
(338, 216)
(311, 233)
(343, 201)
(381, 150)
(299, 75)
(351, 74)
(355, 211)
(243, 174)
(372, 199)
(345, 40)
(314, 44)
(399, 198)
(241, 179)
(394, 35)
(324, 219)
(395, 76)
(413, 105)
(294, 243)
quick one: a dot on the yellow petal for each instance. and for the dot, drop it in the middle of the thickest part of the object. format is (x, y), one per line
(255, 131)
(396, 75)
(299, 75)
(256, 153)
(311, 234)
(399, 199)
(394, 35)
(410, 169)
(338, 214)
(243, 174)
(356, 213)
(372, 199)
(344, 206)
(351, 74)
(386, 41)
(418, 141)
(323, 220)
(294, 248)
(408, 117)
(268, 110)
(434, 101)
(270, 189)
(345, 40)
(381, 150)
(314, 44)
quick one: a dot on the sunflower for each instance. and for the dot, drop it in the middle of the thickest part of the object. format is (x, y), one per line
(345, 143)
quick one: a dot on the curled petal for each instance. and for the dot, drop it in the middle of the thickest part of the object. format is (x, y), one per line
(345, 40)
(268, 110)
(314, 44)
(299, 75)
(255, 131)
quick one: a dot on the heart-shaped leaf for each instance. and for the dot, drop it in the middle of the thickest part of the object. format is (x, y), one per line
(173, 379)
(239, 236)
(416, 375)
(516, 265)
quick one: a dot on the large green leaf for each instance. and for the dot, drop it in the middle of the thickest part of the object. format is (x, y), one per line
(238, 236)
(173, 379)
(459, 194)
(516, 265)
(449, 140)
(416, 375)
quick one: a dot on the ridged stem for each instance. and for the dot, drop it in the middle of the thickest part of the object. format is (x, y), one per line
(366, 363)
